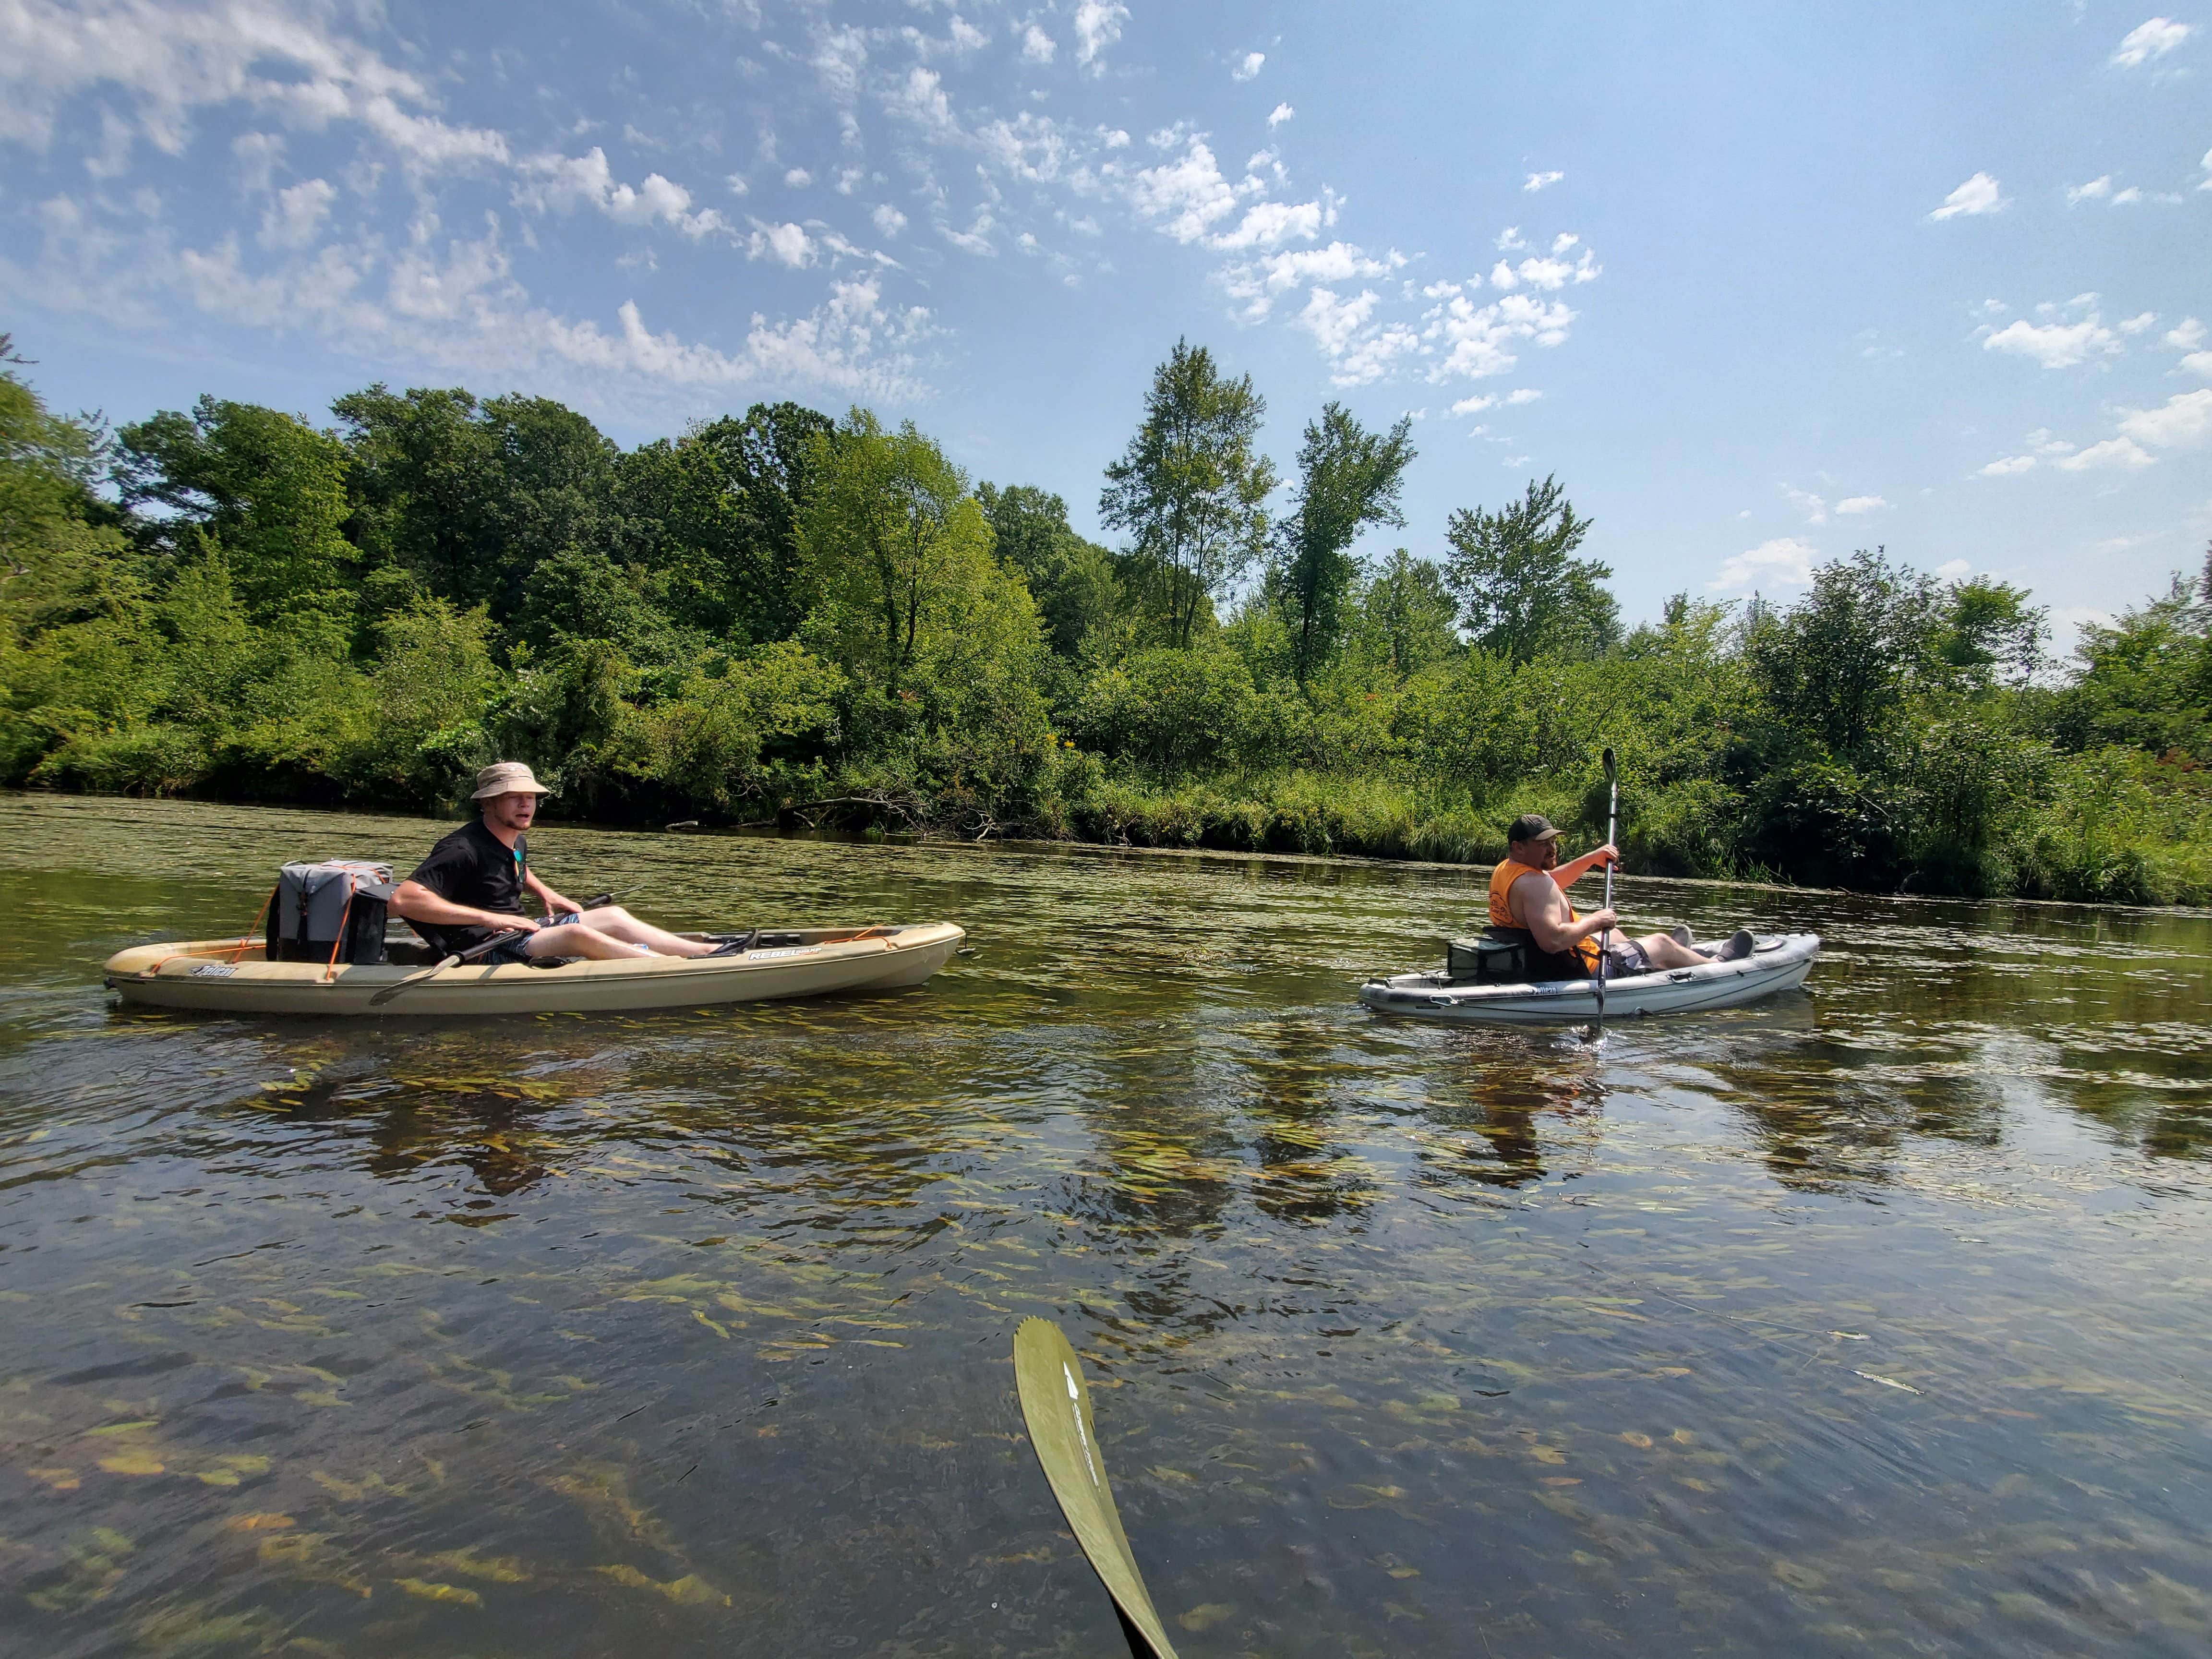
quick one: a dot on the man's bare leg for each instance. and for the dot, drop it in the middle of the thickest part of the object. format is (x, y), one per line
(615, 922)
(1662, 951)
(576, 939)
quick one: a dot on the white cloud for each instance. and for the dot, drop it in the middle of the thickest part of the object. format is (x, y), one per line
(1249, 67)
(1860, 504)
(2006, 466)
(2055, 345)
(2095, 190)
(921, 99)
(1537, 181)
(1979, 194)
(559, 183)
(889, 220)
(257, 155)
(1257, 286)
(2182, 422)
(2124, 197)
(1508, 240)
(1189, 192)
(1097, 25)
(1522, 395)
(1279, 114)
(966, 37)
(1037, 46)
(2113, 453)
(1547, 273)
(1471, 405)
(786, 244)
(836, 344)
(1953, 569)
(2186, 335)
(168, 60)
(2146, 41)
(2207, 165)
(1814, 509)
(1269, 224)
(295, 218)
(1359, 349)
(1477, 343)
(1786, 562)
(798, 178)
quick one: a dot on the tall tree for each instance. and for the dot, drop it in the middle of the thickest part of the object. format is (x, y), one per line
(1071, 579)
(1523, 592)
(1189, 489)
(1840, 663)
(716, 515)
(1406, 615)
(266, 486)
(469, 495)
(1348, 479)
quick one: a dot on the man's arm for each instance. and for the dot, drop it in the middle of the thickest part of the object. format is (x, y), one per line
(416, 902)
(554, 904)
(1572, 871)
(1544, 911)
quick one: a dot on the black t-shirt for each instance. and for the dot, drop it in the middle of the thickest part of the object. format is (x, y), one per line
(472, 866)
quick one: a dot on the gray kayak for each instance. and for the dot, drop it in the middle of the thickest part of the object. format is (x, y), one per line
(1779, 961)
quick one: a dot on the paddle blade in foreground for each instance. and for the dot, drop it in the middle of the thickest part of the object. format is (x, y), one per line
(1057, 1408)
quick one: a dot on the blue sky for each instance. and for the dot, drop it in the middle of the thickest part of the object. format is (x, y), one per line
(1761, 284)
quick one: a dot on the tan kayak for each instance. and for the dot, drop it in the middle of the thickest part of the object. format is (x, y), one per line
(218, 977)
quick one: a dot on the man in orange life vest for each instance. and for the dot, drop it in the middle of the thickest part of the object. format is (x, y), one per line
(1528, 895)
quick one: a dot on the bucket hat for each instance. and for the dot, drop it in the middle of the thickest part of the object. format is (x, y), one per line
(508, 778)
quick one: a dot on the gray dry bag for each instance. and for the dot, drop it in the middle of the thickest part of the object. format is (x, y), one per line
(327, 910)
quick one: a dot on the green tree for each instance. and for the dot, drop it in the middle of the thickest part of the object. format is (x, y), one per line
(1838, 666)
(715, 517)
(1406, 615)
(1189, 490)
(470, 498)
(1523, 592)
(1348, 479)
(1988, 633)
(2144, 680)
(266, 486)
(1072, 579)
(905, 594)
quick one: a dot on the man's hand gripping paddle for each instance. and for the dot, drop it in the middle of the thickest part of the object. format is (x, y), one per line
(1056, 1405)
(1604, 939)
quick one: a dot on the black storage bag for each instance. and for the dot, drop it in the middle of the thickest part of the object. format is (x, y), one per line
(315, 903)
(1494, 955)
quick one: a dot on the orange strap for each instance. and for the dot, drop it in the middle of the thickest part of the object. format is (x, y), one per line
(246, 942)
(330, 967)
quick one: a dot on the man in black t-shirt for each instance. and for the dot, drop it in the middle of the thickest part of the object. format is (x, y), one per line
(472, 887)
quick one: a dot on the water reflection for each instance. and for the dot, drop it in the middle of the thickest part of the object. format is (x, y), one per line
(1855, 1320)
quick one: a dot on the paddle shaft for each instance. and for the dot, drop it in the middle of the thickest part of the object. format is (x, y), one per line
(454, 961)
(1612, 818)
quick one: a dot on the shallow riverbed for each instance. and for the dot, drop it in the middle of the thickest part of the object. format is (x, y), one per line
(1870, 1320)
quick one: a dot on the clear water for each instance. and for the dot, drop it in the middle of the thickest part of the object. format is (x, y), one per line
(1870, 1320)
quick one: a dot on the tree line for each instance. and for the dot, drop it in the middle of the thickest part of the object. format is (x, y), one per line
(782, 616)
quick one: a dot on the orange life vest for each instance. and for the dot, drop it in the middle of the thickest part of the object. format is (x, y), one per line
(1501, 911)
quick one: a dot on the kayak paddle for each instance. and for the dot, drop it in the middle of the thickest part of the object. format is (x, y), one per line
(1604, 939)
(454, 961)
(1056, 1405)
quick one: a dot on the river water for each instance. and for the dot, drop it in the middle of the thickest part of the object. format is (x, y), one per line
(1870, 1319)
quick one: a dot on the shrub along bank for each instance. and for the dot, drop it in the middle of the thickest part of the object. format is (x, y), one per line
(779, 614)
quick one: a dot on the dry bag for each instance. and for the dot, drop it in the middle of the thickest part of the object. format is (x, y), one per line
(332, 909)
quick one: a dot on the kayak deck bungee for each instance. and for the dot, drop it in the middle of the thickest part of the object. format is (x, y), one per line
(229, 975)
(1778, 962)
